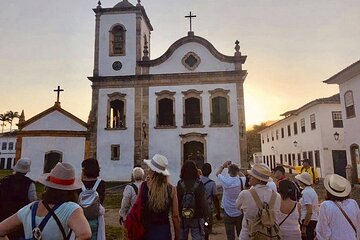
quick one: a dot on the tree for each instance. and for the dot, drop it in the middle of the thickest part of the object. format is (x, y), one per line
(254, 138)
(3, 118)
(11, 115)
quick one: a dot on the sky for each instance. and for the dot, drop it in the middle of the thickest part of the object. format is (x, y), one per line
(292, 46)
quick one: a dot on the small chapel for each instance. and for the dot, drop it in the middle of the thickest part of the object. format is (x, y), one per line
(187, 104)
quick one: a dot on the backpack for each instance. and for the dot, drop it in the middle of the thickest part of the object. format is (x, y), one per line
(90, 202)
(296, 194)
(188, 201)
(134, 187)
(264, 226)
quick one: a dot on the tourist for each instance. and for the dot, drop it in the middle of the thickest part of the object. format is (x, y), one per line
(232, 185)
(90, 179)
(211, 197)
(288, 216)
(308, 206)
(191, 191)
(259, 176)
(278, 175)
(160, 198)
(60, 197)
(306, 167)
(130, 193)
(16, 191)
(339, 216)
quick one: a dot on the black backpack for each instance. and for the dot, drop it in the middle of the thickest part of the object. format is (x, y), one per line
(188, 201)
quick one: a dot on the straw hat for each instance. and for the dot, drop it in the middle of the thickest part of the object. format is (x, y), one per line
(305, 178)
(22, 165)
(62, 177)
(337, 185)
(260, 171)
(158, 164)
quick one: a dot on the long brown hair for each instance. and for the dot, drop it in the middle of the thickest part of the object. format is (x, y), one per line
(158, 193)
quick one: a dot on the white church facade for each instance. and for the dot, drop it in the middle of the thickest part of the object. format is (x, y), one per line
(186, 104)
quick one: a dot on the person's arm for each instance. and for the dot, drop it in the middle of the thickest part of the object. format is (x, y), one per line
(217, 207)
(286, 166)
(175, 214)
(80, 226)
(32, 195)
(9, 224)
(125, 204)
(307, 218)
(101, 190)
(222, 167)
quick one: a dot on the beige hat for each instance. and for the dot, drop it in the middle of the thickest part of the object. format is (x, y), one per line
(62, 177)
(22, 165)
(158, 164)
(337, 185)
(305, 178)
(260, 171)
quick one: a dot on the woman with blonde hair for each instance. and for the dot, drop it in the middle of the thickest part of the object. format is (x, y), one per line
(160, 199)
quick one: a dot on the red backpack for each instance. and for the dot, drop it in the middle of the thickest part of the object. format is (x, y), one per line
(134, 223)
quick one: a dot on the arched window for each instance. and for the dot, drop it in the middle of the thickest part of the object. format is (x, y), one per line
(192, 108)
(116, 118)
(165, 109)
(349, 104)
(117, 40)
(51, 159)
(219, 107)
(193, 147)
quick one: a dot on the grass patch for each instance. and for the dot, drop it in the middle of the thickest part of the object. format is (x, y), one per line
(4, 173)
(114, 233)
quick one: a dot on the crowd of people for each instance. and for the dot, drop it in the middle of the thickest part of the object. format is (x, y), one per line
(260, 203)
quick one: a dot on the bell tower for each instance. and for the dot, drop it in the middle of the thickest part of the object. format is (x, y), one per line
(121, 35)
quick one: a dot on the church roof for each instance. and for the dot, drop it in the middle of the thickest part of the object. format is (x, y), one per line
(197, 39)
(345, 74)
(54, 108)
(123, 4)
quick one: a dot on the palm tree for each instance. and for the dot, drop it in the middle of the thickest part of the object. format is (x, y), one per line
(3, 118)
(11, 116)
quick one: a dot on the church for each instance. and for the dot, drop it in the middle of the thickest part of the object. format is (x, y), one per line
(186, 104)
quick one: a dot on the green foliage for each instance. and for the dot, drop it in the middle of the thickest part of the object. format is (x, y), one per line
(254, 139)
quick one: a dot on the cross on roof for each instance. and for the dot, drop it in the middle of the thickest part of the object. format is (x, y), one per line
(58, 90)
(190, 16)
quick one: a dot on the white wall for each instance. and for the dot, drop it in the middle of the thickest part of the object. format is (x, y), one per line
(34, 148)
(168, 141)
(55, 121)
(129, 60)
(116, 170)
(208, 62)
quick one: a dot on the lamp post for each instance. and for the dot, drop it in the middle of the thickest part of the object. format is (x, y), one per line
(336, 136)
(295, 143)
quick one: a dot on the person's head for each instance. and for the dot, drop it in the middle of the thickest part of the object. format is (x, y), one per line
(90, 168)
(337, 188)
(22, 166)
(138, 174)
(278, 172)
(206, 169)
(189, 171)
(233, 170)
(259, 174)
(60, 184)
(306, 163)
(304, 179)
(286, 189)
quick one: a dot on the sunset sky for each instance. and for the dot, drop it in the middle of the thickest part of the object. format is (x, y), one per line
(292, 46)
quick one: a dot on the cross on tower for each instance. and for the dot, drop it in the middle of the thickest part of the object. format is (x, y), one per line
(190, 16)
(58, 90)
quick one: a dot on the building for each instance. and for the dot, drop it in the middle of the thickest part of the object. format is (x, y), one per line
(349, 85)
(313, 131)
(7, 151)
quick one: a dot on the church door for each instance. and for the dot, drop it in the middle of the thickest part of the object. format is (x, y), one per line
(339, 161)
(51, 159)
(9, 163)
(194, 150)
(2, 163)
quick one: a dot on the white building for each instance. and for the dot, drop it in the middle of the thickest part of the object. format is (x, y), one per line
(314, 131)
(7, 150)
(349, 84)
(188, 103)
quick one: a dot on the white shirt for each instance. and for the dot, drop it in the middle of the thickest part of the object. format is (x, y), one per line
(129, 199)
(309, 197)
(246, 202)
(332, 224)
(272, 185)
(231, 189)
(290, 228)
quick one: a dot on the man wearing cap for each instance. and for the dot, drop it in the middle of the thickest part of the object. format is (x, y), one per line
(306, 167)
(259, 177)
(16, 191)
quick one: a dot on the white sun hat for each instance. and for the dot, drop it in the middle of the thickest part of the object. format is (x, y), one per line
(337, 185)
(158, 164)
(261, 172)
(305, 178)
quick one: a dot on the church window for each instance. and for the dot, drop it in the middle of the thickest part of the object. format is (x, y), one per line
(191, 61)
(193, 147)
(295, 128)
(117, 40)
(219, 107)
(289, 130)
(165, 109)
(302, 125)
(116, 118)
(349, 104)
(312, 121)
(115, 152)
(192, 109)
(11, 145)
(4, 146)
(51, 159)
(337, 119)
(282, 133)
